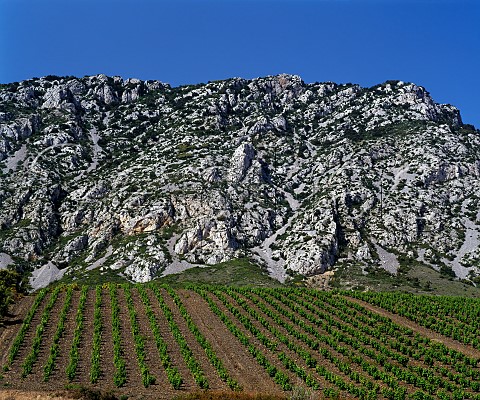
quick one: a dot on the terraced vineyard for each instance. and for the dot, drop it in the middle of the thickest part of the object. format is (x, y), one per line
(150, 340)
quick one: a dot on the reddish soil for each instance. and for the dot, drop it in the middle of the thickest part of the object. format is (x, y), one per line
(272, 358)
(11, 324)
(134, 377)
(16, 367)
(240, 364)
(86, 336)
(153, 359)
(173, 348)
(47, 339)
(65, 342)
(215, 383)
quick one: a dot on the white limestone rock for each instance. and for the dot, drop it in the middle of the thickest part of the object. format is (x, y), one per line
(241, 162)
(150, 178)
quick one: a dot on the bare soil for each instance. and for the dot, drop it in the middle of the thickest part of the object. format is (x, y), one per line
(173, 348)
(66, 340)
(11, 324)
(15, 368)
(47, 339)
(37, 395)
(86, 337)
(240, 364)
(107, 368)
(134, 377)
(215, 383)
(272, 358)
(153, 359)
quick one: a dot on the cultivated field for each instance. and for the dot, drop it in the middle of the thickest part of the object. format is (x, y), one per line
(155, 341)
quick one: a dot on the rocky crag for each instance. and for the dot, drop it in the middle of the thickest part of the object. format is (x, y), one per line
(141, 179)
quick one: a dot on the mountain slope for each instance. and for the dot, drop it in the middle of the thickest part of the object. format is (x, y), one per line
(143, 179)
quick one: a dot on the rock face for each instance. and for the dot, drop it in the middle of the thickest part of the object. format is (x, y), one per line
(137, 178)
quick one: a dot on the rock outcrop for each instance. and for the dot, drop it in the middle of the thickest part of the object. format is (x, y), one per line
(136, 177)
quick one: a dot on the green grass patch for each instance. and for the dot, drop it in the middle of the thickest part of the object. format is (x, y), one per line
(236, 272)
(416, 278)
(93, 277)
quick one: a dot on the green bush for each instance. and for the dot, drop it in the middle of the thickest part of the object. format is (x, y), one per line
(6, 298)
(11, 283)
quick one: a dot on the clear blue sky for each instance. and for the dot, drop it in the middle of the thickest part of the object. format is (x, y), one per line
(434, 43)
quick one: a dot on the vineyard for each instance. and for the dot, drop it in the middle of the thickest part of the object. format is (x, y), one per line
(159, 342)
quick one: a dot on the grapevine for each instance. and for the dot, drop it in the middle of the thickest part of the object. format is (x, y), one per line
(55, 348)
(74, 351)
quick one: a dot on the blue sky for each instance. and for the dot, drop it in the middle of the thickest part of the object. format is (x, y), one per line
(434, 43)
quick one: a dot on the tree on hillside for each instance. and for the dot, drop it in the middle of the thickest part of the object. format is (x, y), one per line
(11, 283)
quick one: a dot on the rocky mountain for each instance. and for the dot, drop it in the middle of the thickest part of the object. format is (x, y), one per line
(137, 178)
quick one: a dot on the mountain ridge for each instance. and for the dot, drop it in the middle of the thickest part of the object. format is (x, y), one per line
(142, 179)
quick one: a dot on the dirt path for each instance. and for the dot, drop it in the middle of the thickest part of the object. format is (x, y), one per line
(240, 364)
(450, 343)
(29, 395)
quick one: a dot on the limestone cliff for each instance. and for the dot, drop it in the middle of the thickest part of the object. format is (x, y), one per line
(142, 179)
